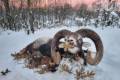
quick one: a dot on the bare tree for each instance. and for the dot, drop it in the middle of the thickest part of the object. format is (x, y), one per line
(29, 3)
(6, 5)
(82, 11)
(9, 21)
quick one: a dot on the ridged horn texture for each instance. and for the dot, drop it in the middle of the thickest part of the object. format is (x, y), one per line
(87, 33)
(58, 36)
(55, 42)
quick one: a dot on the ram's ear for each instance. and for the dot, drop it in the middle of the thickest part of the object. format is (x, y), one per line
(86, 44)
(79, 36)
(62, 40)
(61, 45)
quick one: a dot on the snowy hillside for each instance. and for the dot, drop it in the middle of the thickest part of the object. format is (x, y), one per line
(11, 42)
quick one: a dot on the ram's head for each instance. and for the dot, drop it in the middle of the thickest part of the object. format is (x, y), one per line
(73, 42)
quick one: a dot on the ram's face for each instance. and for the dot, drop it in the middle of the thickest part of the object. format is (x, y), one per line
(74, 42)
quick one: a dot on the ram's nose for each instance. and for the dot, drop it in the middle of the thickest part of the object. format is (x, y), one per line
(72, 43)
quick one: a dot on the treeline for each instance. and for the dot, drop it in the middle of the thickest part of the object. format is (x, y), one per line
(31, 19)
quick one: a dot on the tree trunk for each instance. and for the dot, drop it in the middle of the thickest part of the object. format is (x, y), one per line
(7, 8)
(29, 3)
(9, 21)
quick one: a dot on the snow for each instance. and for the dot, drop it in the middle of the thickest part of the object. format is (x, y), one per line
(11, 42)
(114, 14)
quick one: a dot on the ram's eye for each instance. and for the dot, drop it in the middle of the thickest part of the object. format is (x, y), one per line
(65, 39)
(80, 40)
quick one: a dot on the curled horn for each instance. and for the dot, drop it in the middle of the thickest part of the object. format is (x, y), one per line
(98, 43)
(55, 55)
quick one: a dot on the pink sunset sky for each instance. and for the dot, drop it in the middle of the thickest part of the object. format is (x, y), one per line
(43, 3)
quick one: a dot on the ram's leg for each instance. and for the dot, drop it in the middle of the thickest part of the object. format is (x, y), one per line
(56, 57)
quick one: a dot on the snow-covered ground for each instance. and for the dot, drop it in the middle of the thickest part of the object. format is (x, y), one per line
(11, 42)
